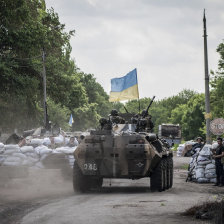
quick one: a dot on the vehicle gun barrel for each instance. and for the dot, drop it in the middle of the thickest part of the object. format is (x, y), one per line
(149, 106)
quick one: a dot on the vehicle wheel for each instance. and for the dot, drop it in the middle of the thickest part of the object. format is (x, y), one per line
(81, 183)
(165, 173)
(171, 171)
(156, 179)
(168, 172)
(97, 183)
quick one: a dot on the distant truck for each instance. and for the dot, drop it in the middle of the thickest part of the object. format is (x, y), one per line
(171, 133)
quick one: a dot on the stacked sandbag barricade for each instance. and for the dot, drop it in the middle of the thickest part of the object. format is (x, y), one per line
(180, 150)
(184, 149)
(37, 153)
(202, 166)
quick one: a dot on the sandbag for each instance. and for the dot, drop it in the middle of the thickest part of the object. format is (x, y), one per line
(11, 147)
(46, 141)
(204, 162)
(8, 163)
(210, 175)
(210, 166)
(19, 155)
(36, 141)
(203, 180)
(12, 159)
(213, 180)
(26, 149)
(202, 158)
(215, 145)
(206, 151)
(59, 139)
(43, 150)
(32, 154)
(9, 152)
(66, 150)
(210, 171)
(2, 158)
(200, 173)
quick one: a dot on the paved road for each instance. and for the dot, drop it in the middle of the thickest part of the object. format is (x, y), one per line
(125, 201)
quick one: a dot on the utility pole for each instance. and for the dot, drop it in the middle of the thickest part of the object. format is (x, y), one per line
(207, 94)
(45, 92)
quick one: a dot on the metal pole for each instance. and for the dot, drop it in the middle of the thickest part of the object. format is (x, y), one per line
(45, 91)
(207, 94)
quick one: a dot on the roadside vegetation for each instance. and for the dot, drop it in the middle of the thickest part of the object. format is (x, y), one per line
(27, 30)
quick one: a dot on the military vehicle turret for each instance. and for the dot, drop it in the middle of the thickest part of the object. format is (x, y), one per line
(121, 150)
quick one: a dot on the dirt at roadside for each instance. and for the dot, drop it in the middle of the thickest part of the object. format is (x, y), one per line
(18, 197)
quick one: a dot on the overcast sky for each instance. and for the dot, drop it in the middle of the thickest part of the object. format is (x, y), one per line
(161, 38)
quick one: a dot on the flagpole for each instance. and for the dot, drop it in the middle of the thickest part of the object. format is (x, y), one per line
(139, 106)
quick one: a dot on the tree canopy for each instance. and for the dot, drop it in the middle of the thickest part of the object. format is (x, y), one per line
(27, 31)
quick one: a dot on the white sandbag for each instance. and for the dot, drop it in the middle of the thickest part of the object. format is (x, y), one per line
(36, 141)
(2, 158)
(59, 139)
(11, 151)
(12, 159)
(203, 180)
(210, 166)
(206, 151)
(66, 150)
(46, 141)
(204, 162)
(11, 147)
(210, 171)
(202, 158)
(2, 150)
(66, 141)
(43, 150)
(7, 163)
(215, 145)
(2, 146)
(200, 173)
(26, 149)
(19, 155)
(32, 154)
(180, 148)
(202, 166)
(213, 180)
(210, 175)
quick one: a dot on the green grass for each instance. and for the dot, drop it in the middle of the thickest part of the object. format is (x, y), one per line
(184, 167)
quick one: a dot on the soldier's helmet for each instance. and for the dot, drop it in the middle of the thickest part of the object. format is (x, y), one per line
(144, 113)
(114, 112)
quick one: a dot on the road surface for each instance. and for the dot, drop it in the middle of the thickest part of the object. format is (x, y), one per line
(119, 201)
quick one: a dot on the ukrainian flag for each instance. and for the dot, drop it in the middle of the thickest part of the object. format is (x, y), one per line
(71, 121)
(124, 88)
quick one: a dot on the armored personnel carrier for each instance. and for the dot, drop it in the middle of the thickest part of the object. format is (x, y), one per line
(122, 151)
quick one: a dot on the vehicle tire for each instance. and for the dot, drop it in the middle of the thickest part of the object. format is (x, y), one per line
(171, 170)
(165, 173)
(156, 179)
(97, 183)
(81, 183)
(168, 173)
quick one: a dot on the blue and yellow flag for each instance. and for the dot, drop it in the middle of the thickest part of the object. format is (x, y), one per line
(124, 88)
(71, 121)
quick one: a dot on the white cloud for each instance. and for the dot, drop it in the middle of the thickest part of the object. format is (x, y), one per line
(163, 39)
